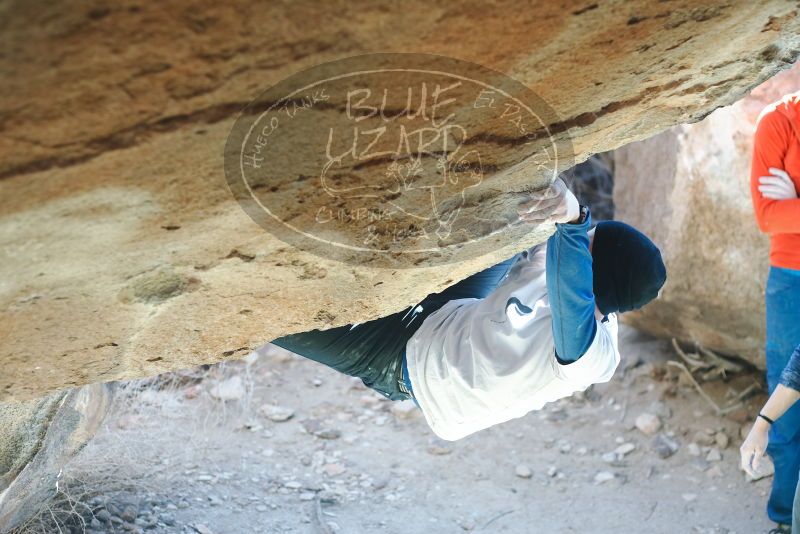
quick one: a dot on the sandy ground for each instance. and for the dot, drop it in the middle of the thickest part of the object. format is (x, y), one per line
(180, 458)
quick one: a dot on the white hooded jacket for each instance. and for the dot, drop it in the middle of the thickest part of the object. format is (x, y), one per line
(476, 363)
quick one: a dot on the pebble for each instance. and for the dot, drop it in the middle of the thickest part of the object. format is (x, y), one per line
(275, 413)
(665, 446)
(715, 471)
(722, 440)
(648, 424)
(231, 389)
(439, 448)
(765, 469)
(467, 524)
(328, 433)
(333, 470)
(192, 392)
(202, 529)
(253, 426)
(714, 455)
(609, 457)
(704, 437)
(700, 464)
(693, 449)
(689, 497)
(103, 515)
(552, 471)
(128, 514)
(438, 451)
(523, 471)
(370, 399)
(307, 496)
(261, 508)
(603, 476)
(660, 409)
(625, 448)
(316, 428)
(404, 409)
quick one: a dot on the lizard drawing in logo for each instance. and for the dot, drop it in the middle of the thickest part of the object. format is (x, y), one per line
(423, 174)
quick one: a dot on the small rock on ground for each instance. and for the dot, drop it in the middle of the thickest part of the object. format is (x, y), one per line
(665, 446)
(603, 476)
(231, 389)
(404, 409)
(276, 414)
(714, 455)
(523, 471)
(648, 424)
(765, 469)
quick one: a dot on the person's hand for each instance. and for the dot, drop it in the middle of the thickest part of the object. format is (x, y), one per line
(556, 204)
(754, 446)
(777, 186)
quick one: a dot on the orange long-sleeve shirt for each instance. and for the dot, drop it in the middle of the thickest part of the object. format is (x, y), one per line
(777, 144)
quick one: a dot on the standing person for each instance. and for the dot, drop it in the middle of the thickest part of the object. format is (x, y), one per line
(786, 394)
(507, 340)
(774, 178)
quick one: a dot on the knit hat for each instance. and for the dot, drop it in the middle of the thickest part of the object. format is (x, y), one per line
(627, 268)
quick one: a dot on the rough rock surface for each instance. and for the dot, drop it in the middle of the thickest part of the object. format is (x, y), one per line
(689, 188)
(25, 424)
(39, 437)
(122, 252)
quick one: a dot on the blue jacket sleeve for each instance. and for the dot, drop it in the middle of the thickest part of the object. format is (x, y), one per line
(790, 377)
(569, 287)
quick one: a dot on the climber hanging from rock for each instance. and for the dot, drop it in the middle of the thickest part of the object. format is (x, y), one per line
(530, 330)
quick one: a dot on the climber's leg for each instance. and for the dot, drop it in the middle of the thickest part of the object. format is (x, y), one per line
(373, 351)
(783, 335)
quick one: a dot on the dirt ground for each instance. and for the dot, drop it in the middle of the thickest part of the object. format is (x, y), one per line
(274, 443)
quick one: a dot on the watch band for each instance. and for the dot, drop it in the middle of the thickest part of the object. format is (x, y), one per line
(767, 419)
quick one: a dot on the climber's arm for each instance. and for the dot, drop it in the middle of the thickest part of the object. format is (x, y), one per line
(785, 395)
(569, 288)
(772, 137)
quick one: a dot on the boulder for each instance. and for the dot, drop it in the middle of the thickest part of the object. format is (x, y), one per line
(123, 251)
(39, 437)
(689, 188)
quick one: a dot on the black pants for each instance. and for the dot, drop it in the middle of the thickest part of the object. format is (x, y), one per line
(374, 351)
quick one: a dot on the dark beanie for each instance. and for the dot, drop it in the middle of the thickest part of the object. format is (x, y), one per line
(627, 268)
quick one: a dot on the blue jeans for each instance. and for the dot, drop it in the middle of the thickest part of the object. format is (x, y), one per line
(796, 512)
(783, 335)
